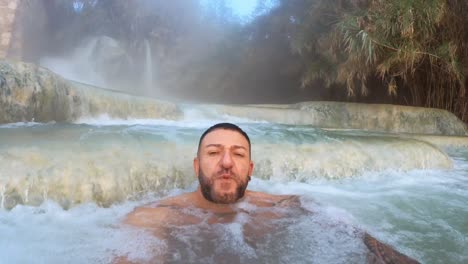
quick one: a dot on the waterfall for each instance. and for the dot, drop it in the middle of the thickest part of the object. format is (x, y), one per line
(74, 164)
(2, 197)
(79, 66)
(148, 72)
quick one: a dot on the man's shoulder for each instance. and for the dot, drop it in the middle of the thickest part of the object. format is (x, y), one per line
(149, 216)
(181, 201)
(267, 199)
(157, 213)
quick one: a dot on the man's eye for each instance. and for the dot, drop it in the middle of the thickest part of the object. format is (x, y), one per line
(239, 154)
(212, 153)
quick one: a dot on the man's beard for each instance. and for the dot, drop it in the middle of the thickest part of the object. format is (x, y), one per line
(206, 185)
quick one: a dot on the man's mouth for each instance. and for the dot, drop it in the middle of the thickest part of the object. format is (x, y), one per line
(226, 176)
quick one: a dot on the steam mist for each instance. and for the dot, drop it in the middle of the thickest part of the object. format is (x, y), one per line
(190, 50)
(278, 51)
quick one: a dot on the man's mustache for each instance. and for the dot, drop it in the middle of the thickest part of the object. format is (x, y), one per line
(228, 174)
(223, 174)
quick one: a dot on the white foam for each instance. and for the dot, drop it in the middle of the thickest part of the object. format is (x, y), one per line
(404, 210)
(194, 117)
(421, 212)
(24, 124)
(395, 211)
(83, 234)
(106, 120)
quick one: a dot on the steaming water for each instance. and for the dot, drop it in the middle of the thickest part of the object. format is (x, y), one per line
(65, 188)
(79, 66)
(148, 73)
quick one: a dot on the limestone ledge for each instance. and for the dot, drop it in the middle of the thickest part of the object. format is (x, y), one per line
(339, 115)
(32, 93)
(28, 92)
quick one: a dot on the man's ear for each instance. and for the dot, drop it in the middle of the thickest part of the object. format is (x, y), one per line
(251, 168)
(196, 166)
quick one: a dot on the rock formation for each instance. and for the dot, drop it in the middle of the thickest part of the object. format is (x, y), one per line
(31, 93)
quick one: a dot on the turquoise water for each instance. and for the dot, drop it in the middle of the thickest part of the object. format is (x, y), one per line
(66, 187)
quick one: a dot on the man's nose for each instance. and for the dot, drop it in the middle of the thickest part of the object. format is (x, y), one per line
(226, 161)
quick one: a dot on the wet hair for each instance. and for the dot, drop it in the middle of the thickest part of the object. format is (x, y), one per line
(226, 126)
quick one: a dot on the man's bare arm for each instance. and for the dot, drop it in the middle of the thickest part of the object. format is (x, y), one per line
(381, 253)
(290, 201)
(148, 217)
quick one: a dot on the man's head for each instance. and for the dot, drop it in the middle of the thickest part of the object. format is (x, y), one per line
(223, 164)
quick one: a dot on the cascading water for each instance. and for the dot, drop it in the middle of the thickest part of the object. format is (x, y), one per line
(2, 195)
(81, 66)
(67, 188)
(148, 72)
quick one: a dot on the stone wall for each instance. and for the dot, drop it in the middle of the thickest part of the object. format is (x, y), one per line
(23, 29)
(8, 9)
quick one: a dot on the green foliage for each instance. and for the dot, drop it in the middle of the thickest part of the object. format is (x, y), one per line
(417, 45)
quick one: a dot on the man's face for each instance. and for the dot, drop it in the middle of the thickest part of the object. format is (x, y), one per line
(223, 166)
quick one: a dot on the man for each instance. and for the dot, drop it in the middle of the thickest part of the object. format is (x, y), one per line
(223, 166)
